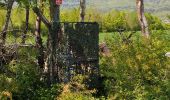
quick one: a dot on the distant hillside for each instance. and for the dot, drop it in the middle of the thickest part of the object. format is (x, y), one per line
(159, 7)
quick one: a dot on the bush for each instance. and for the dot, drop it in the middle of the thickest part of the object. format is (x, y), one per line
(113, 21)
(154, 22)
(24, 77)
(70, 15)
(77, 90)
(132, 21)
(76, 96)
(48, 93)
(138, 69)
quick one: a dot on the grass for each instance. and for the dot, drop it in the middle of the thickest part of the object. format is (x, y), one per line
(102, 36)
(31, 40)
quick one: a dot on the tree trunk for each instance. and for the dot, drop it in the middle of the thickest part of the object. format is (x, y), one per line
(8, 15)
(141, 17)
(26, 24)
(82, 10)
(52, 43)
(38, 38)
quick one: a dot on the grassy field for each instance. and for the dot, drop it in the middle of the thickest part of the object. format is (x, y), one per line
(103, 36)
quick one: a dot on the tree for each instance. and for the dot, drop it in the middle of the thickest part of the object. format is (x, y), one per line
(27, 9)
(53, 28)
(141, 17)
(9, 5)
(82, 10)
(38, 38)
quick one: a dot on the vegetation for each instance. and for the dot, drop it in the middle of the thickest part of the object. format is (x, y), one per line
(136, 67)
(109, 22)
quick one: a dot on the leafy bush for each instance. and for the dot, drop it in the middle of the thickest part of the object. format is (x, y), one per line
(138, 69)
(113, 21)
(46, 93)
(24, 75)
(70, 15)
(76, 96)
(77, 90)
(154, 22)
(132, 21)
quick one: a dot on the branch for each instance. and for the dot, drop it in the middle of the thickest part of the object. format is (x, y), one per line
(43, 18)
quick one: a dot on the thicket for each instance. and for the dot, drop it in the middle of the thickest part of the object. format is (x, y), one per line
(135, 69)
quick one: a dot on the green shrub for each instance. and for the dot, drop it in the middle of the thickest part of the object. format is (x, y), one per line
(138, 69)
(76, 96)
(132, 21)
(154, 22)
(70, 15)
(113, 21)
(48, 93)
(76, 89)
(24, 77)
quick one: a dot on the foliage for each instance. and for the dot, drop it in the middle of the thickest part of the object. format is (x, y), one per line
(167, 25)
(114, 21)
(138, 69)
(46, 93)
(109, 22)
(26, 76)
(132, 21)
(2, 19)
(75, 96)
(154, 22)
(77, 90)
(70, 15)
